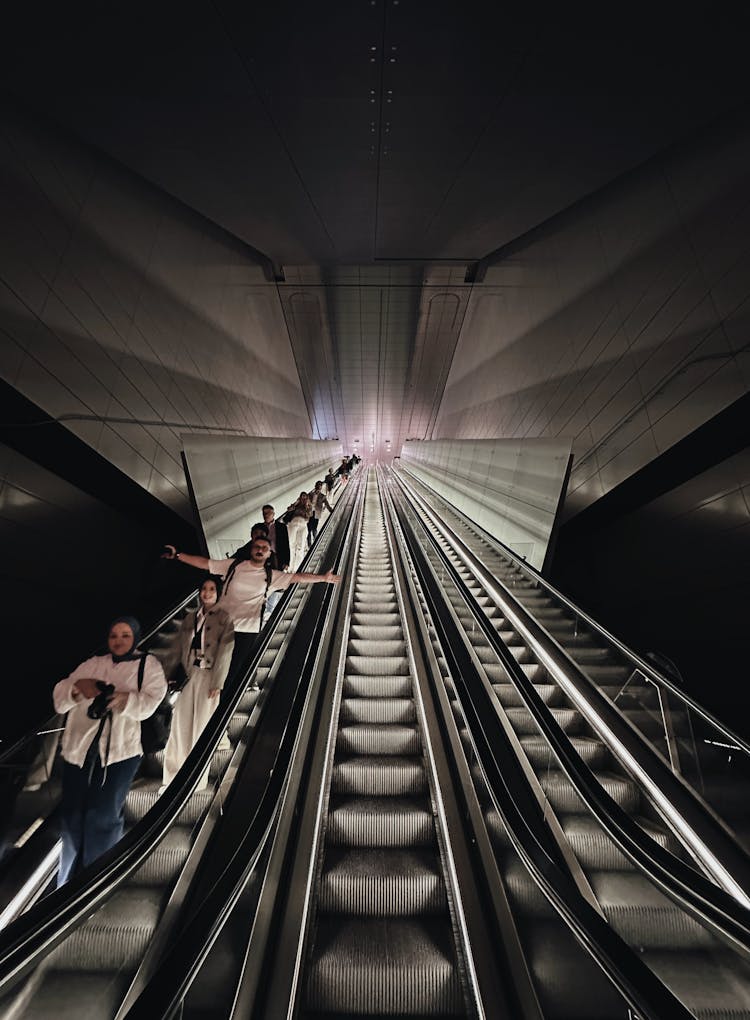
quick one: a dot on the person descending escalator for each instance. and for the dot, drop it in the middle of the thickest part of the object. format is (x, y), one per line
(196, 665)
(247, 585)
(105, 699)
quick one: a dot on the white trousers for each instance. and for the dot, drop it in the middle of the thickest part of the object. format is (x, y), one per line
(192, 711)
(297, 531)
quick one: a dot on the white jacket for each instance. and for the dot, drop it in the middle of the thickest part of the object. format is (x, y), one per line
(124, 738)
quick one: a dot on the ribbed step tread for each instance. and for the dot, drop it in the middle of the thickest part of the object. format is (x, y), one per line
(595, 850)
(509, 697)
(116, 936)
(377, 710)
(591, 750)
(645, 917)
(715, 986)
(378, 738)
(359, 686)
(563, 797)
(139, 801)
(379, 776)
(163, 863)
(388, 967)
(381, 665)
(393, 883)
(379, 821)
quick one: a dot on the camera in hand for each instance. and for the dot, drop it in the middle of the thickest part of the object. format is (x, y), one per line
(100, 705)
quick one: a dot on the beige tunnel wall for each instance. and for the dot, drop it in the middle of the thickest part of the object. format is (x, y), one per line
(511, 488)
(623, 323)
(131, 317)
(233, 477)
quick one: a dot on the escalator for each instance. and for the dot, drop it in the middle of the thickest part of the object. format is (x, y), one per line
(371, 900)
(708, 977)
(98, 966)
(715, 761)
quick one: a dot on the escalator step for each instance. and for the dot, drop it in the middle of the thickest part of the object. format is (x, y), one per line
(717, 985)
(138, 802)
(594, 849)
(385, 967)
(593, 751)
(369, 617)
(522, 721)
(564, 798)
(643, 916)
(391, 665)
(379, 822)
(376, 632)
(162, 865)
(359, 686)
(376, 649)
(373, 776)
(509, 697)
(383, 738)
(365, 882)
(377, 710)
(116, 936)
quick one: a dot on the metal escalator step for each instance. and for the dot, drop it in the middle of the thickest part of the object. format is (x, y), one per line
(380, 607)
(381, 882)
(237, 724)
(138, 802)
(393, 632)
(163, 863)
(594, 849)
(593, 751)
(116, 936)
(247, 702)
(523, 892)
(376, 649)
(382, 665)
(376, 776)
(521, 653)
(496, 673)
(385, 967)
(372, 618)
(563, 797)
(379, 821)
(643, 916)
(509, 697)
(716, 985)
(219, 762)
(569, 719)
(483, 652)
(378, 738)
(536, 673)
(581, 653)
(377, 710)
(377, 686)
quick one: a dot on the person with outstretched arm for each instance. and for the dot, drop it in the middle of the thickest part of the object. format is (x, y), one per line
(247, 585)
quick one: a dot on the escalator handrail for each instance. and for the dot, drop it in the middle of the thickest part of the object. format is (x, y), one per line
(699, 828)
(690, 890)
(529, 835)
(36, 932)
(640, 663)
(177, 970)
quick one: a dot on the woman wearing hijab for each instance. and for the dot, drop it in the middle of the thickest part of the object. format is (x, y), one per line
(101, 745)
(203, 648)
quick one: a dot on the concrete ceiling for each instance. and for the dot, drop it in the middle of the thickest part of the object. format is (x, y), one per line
(372, 151)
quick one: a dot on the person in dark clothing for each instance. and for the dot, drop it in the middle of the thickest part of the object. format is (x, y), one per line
(278, 536)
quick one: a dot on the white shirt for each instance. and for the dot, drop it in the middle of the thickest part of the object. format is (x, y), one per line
(242, 599)
(125, 736)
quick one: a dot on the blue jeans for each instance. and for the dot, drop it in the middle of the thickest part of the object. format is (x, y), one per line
(92, 811)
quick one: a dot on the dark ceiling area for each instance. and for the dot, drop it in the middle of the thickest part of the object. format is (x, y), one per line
(365, 130)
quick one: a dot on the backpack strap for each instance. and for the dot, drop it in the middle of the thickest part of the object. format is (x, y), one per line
(269, 579)
(141, 670)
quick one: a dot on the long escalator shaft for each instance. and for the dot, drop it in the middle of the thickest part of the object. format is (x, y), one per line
(384, 942)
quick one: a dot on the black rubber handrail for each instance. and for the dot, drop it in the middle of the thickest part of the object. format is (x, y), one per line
(26, 941)
(710, 840)
(645, 667)
(521, 813)
(688, 888)
(249, 821)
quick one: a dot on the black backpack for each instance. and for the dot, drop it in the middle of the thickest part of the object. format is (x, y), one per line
(155, 729)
